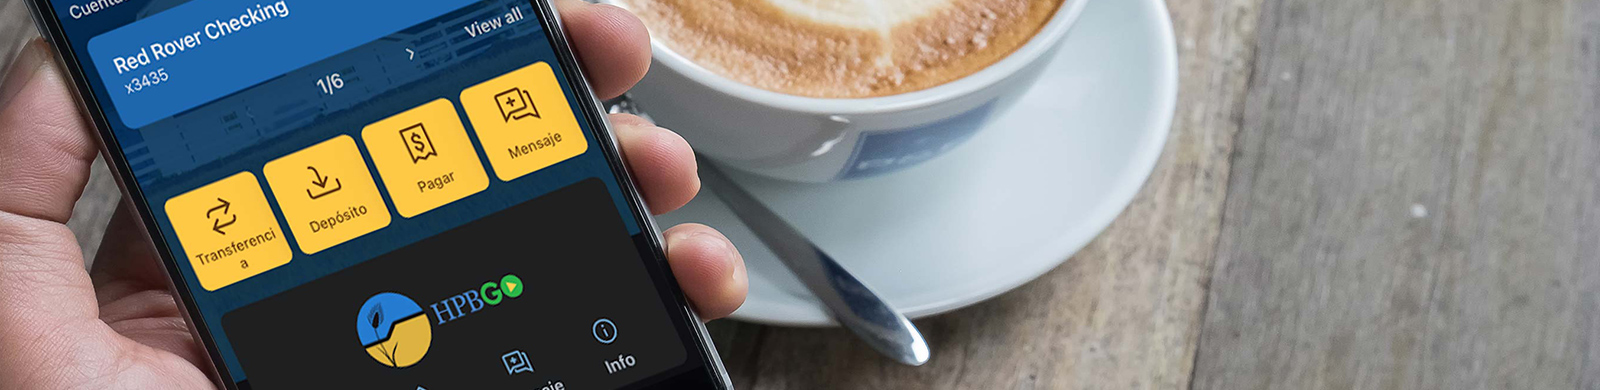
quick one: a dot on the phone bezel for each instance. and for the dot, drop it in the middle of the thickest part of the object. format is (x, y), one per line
(593, 112)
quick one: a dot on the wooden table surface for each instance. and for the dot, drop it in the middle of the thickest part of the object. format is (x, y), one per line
(1355, 194)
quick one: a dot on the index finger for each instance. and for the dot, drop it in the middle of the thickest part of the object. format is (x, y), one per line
(611, 43)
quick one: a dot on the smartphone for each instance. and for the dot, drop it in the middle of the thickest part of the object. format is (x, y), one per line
(399, 194)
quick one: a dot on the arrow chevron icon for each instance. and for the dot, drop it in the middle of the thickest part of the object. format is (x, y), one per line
(217, 225)
(223, 207)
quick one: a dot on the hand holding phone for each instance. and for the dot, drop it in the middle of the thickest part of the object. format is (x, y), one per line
(119, 324)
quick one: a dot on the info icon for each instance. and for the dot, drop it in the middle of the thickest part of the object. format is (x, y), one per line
(605, 331)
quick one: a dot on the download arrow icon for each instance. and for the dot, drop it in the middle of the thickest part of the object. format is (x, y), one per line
(322, 182)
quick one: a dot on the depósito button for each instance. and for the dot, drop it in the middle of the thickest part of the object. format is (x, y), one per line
(327, 194)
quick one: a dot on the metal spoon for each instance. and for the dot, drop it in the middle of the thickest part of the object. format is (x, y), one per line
(851, 302)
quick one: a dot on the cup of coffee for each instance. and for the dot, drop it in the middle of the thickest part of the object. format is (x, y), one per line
(825, 90)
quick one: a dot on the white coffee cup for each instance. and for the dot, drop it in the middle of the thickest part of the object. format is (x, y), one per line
(812, 139)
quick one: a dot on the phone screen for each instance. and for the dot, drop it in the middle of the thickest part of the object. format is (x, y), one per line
(411, 194)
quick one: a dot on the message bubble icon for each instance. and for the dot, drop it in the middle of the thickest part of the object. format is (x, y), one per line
(516, 103)
(417, 143)
(516, 361)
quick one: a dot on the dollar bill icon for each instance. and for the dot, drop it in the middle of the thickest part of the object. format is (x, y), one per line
(418, 143)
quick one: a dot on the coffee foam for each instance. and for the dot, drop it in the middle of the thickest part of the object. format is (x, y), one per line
(864, 14)
(844, 48)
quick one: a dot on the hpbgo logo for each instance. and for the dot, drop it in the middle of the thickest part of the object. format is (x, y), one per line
(394, 330)
(397, 332)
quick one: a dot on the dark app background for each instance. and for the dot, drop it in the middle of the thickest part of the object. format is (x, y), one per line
(577, 264)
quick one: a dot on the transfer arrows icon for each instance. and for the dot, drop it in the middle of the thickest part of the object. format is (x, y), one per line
(217, 225)
(223, 207)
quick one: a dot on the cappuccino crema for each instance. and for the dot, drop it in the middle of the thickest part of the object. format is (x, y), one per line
(844, 48)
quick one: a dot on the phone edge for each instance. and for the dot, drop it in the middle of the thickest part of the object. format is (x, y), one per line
(598, 119)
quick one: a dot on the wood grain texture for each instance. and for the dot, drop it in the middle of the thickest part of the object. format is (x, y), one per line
(1122, 313)
(1414, 201)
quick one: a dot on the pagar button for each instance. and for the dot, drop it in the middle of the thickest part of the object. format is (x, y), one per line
(524, 121)
(228, 231)
(425, 158)
(327, 194)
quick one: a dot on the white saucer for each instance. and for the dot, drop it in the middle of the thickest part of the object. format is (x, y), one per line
(1014, 202)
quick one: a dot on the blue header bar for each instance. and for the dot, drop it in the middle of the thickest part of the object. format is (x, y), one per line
(207, 49)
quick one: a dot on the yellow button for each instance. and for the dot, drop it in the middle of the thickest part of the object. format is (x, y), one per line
(425, 158)
(524, 121)
(326, 194)
(228, 231)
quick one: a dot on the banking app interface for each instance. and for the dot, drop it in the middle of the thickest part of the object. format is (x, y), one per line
(380, 194)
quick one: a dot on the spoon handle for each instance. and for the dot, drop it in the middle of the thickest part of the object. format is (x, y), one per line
(851, 302)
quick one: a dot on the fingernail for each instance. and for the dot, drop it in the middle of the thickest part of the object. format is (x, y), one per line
(674, 239)
(727, 248)
(33, 58)
(731, 254)
(740, 274)
(698, 184)
(708, 238)
(714, 241)
(567, 4)
(614, 7)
